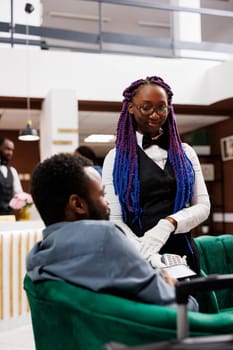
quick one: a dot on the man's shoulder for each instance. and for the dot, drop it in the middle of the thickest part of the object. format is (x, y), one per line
(82, 225)
(102, 229)
(85, 225)
(101, 224)
(13, 170)
(81, 231)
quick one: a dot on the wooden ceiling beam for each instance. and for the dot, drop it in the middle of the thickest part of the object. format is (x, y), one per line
(224, 107)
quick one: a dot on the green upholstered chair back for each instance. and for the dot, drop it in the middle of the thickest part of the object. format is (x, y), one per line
(216, 257)
(67, 317)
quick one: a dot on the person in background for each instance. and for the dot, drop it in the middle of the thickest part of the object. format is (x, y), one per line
(153, 182)
(89, 154)
(80, 245)
(9, 178)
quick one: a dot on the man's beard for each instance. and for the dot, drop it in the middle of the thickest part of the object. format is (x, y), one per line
(3, 160)
(97, 214)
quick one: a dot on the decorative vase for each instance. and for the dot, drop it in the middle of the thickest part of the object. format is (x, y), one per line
(24, 214)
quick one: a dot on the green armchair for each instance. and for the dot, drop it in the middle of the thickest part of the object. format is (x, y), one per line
(216, 257)
(68, 317)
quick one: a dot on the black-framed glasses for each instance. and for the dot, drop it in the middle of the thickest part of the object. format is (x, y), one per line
(148, 110)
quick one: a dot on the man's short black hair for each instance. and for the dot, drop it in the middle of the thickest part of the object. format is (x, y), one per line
(54, 180)
(2, 139)
(87, 152)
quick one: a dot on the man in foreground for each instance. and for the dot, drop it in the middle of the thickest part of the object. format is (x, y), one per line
(80, 246)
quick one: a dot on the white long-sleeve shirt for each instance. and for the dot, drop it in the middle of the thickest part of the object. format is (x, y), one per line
(186, 218)
(17, 187)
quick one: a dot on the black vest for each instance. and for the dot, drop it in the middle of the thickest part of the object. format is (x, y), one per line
(157, 193)
(157, 196)
(6, 192)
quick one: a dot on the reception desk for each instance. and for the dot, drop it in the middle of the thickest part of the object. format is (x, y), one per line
(16, 239)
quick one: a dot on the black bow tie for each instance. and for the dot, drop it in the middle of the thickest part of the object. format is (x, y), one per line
(147, 141)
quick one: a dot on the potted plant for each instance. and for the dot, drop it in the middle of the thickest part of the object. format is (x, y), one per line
(22, 202)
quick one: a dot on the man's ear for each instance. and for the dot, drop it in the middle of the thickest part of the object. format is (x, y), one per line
(78, 204)
(130, 108)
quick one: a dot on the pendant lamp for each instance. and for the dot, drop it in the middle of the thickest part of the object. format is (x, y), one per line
(28, 133)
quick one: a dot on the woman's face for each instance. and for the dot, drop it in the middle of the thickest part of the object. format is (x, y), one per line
(150, 108)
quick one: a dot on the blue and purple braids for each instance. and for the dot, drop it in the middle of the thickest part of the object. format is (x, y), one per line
(126, 173)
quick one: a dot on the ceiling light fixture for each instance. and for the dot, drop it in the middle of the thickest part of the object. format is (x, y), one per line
(28, 133)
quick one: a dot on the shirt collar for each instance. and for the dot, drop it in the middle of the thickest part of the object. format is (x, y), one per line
(139, 137)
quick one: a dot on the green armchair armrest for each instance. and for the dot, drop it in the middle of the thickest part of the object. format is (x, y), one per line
(68, 317)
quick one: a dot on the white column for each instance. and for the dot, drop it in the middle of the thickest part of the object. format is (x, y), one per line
(187, 26)
(58, 123)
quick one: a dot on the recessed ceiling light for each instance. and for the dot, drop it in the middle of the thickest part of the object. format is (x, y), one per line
(100, 138)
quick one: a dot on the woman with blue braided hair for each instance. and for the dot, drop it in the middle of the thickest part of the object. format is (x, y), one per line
(153, 181)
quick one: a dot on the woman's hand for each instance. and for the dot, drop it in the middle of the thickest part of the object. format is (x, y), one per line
(156, 262)
(155, 238)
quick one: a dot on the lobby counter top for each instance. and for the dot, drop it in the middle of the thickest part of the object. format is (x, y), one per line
(20, 225)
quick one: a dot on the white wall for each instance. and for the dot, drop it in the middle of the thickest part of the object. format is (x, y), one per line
(220, 82)
(103, 77)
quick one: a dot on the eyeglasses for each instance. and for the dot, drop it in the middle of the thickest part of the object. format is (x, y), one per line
(148, 110)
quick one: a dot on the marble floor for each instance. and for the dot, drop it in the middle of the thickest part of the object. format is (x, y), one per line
(20, 338)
